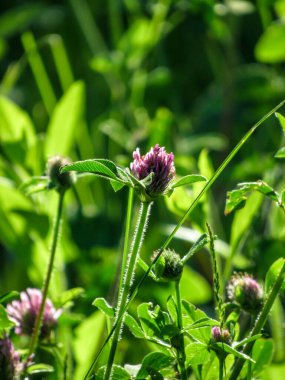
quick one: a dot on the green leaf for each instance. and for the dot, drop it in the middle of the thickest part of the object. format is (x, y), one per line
(147, 320)
(188, 179)
(246, 340)
(118, 373)
(281, 119)
(134, 327)
(172, 309)
(103, 305)
(237, 198)
(68, 296)
(101, 167)
(65, 121)
(116, 185)
(272, 275)
(280, 153)
(35, 185)
(271, 48)
(39, 368)
(230, 350)
(4, 320)
(262, 353)
(9, 297)
(154, 361)
(197, 353)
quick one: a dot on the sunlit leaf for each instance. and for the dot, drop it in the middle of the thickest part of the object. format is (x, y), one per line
(66, 119)
(103, 305)
(188, 179)
(134, 327)
(280, 153)
(118, 373)
(273, 273)
(39, 368)
(9, 297)
(262, 353)
(271, 48)
(101, 167)
(155, 361)
(68, 295)
(230, 350)
(196, 353)
(4, 320)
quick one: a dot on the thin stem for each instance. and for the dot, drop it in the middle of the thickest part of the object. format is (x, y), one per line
(127, 282)
(181, 349)
(38, 323)
(127, 234)
(216, 278)
(221, 368)
(260, 321)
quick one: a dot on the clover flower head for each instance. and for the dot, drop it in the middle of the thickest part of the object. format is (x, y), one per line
(57, 180)
(10, 365)
(244, 290)
(24, 313)
(157, 162)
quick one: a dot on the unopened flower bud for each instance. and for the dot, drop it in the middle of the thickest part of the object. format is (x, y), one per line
(169, 266)
(220, 335)
(246, 292)
(157, 162)
(59, 181)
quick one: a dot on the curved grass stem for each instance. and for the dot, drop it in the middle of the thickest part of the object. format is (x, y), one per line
(38, 322)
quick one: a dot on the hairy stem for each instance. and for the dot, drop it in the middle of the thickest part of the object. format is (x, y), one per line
(181, 349)
(127, 282)
(38, 323)
(260, 321)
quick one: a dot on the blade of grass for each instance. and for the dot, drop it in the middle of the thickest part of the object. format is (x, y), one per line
(39, 71)
(61, 61)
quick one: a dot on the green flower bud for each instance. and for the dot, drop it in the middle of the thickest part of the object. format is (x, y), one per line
(169, 266)
(57, 180)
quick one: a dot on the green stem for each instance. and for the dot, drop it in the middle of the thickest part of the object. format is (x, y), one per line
(260, 321)
(38, 322)
(127, 282)
(127, 234)
(181, 349)
(221, 368)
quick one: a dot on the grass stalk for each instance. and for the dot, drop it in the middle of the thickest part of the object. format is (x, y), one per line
(39, 72)
(38, 322)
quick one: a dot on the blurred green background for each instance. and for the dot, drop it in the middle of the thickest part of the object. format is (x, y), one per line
(88, 79)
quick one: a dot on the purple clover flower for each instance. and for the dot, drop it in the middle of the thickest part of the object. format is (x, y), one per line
(158, 162)
(24, 312)
(244, 290)
(10, 365)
